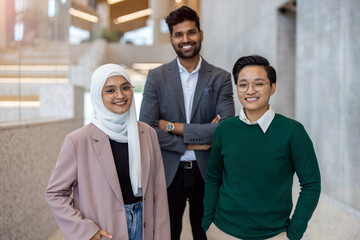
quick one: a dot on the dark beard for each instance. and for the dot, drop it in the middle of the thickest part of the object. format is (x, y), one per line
(196, 52)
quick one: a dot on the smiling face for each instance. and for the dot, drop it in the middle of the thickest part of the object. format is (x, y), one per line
(119, 101)
(186, 39)
(255, 103)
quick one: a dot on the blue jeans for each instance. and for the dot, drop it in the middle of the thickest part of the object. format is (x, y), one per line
(134, 220)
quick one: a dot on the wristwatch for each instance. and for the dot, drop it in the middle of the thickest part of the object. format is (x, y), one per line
(170, 126)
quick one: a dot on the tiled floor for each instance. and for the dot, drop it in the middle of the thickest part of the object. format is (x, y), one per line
(330, 221)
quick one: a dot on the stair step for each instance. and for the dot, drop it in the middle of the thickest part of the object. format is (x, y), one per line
(15, 74)
(17, 98)
(24, 101)
(31, 79)
(33, 61)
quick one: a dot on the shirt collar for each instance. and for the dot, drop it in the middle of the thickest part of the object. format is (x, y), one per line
(182, 69)
(264, 121)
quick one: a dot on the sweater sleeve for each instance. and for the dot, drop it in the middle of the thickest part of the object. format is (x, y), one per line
(213, 181)
(306, 167)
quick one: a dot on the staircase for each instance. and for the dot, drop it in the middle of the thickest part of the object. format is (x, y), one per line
(28, 75)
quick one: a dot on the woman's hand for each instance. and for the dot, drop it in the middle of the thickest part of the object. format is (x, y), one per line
(101, 233)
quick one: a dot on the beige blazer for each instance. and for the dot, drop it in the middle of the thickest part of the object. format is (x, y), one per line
(86, 169)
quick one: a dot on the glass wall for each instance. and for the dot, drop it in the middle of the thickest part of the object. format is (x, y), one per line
(34, 57)
(47, 47)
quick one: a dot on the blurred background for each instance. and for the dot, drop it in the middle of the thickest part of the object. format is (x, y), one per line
(49, 49)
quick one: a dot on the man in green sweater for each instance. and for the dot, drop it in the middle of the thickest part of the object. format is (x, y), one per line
(248, 187)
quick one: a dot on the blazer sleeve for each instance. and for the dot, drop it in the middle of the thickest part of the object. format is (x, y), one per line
(150, 114)
(204, 132)
(58, 195)
(161, 210)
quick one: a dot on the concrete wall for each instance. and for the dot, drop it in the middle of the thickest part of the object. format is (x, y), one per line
(28, 155)
(240, 28)
(28, 151)
(327, 52)
(323, 95)
(327, 91)
(128, 54)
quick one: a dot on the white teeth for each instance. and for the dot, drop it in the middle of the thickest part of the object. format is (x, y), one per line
(251, 99)
(186, 47)
(120, 103)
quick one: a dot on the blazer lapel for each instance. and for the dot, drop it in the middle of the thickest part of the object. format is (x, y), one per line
(145, 161)
(106, 160)
(173, 73)
(203, 79)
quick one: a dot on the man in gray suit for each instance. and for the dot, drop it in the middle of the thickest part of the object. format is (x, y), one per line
(184, 100)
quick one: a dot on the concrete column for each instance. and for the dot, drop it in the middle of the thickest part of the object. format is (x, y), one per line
(193, 4)
(103, 10)
(83, 2)
(327, 92)
(160, 10)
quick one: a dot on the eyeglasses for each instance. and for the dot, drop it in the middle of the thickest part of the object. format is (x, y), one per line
(112, 92)
(243, 86)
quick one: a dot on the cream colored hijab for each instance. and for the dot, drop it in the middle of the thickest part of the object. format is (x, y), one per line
(121, 128)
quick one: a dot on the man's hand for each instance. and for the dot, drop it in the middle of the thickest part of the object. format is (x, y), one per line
(199, 147)
(162, 125)
(101, 233)
(216, 119)
(178, 129)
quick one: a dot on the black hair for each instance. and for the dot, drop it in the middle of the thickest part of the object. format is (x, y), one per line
(254, 60)
(181, 15)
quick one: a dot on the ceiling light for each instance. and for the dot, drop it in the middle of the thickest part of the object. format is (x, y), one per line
(114, 1)
(146, 66)
(22, 104)
(83, 15)
(132, 16)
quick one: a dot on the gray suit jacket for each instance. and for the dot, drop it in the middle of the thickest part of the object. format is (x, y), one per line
(163, 99)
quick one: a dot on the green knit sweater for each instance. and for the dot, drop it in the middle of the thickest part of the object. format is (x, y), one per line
(248, 187)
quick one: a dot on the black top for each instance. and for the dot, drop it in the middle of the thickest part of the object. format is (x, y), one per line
(121, 156)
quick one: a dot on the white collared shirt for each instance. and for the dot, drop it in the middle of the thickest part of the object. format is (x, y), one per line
(264, 121)
(188, 82)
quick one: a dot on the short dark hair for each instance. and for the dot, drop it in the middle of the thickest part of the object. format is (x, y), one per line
(181, 15)
(254, 60)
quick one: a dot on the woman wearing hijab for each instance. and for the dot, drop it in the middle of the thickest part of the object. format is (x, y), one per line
(114, 169)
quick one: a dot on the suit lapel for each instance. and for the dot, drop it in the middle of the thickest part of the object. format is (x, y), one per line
(173, 73)
(204, 77)
(145, 162)
(106, 160)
